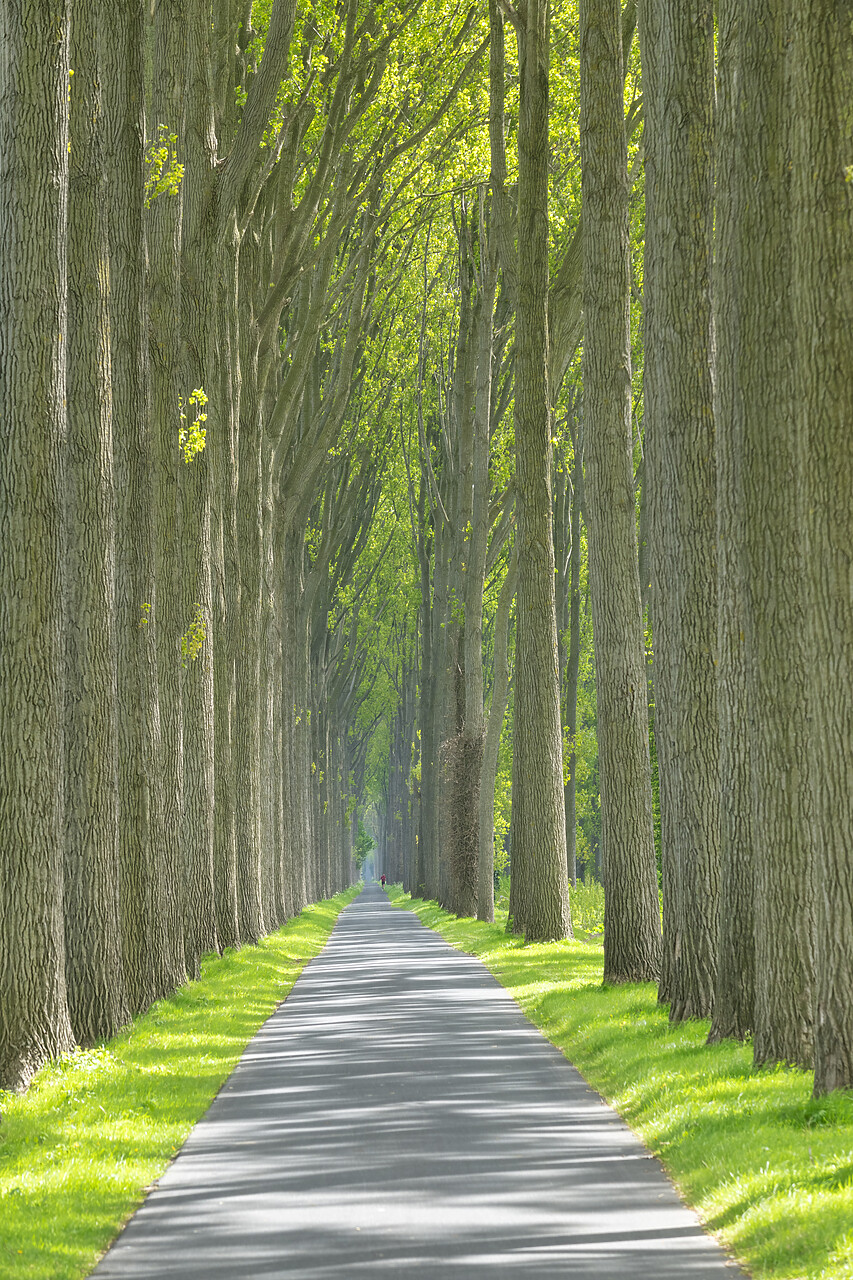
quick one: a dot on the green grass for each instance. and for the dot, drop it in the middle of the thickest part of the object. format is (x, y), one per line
(587, 907)
(96, 1128)
(769, 1169)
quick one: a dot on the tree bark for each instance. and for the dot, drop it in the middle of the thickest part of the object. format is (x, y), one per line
(541, 901)
(491, 747)
(784, 939)
(34, 74)
(823, 308)
(141, 799)
(632, 921)
(93, 962)
(201, 321)
(475, 549)
(164, 310)
(573, 662)
(247, 709)
(677, 43)
(735, 989)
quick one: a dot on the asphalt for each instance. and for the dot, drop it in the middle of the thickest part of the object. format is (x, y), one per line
(399, 1116)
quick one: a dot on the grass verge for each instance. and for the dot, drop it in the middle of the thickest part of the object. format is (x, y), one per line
(769, 1169)
(96, 1128)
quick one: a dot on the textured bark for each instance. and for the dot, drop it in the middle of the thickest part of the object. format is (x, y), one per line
(541, 901)
(773, 548)
(200, 318)
(677, 43)
(823, 303)
(247, 717)
(288, 558)
(34, 1024)
(735, 991)
(573, 663)
(474, 555)
(457, 819)
(226, 601)
(565, 305)
(631, 924)
(93, 961)
(426, 811)
(491, 747)
(567, 483)
(442, 694)
(141, 834)
(429, 779)
(164, 310)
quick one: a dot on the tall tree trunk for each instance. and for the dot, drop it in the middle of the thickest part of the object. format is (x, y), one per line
(541, 902)
(475, 549)
(491, 746)
(677, 44)
(287, 556)
(735, 991)
(34, 74)
(632, 921)
(93, 962)
(777, 620)
(823, 302)
(141, 816)
(247, 726)
(200, 285)
(573, 662)
(164, 310)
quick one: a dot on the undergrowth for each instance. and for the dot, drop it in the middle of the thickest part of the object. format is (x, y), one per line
(97, 1127)
(769, 1168)
(587, 901)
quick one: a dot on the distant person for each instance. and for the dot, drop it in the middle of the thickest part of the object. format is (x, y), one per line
(382, 879)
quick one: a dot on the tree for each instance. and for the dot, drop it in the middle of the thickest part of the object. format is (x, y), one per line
(632, 929)
(34, 76)
(141, 832)
(540, 899)
(823, 310)
(163, 224)
(773, 555)
(735, 990)
(94, 969)
(677, 45)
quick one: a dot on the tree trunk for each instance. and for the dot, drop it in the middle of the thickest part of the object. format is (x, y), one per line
(474, 555)
(93, 962)
(491, 747)
(541, 903)
(823, 301)
(140, 825)
(247, 709)
(164, 310)
(678, 84)
(201, 320)
(777, 620)
(34, 1024)
(735, 990)
(573, 663)
(632, 921)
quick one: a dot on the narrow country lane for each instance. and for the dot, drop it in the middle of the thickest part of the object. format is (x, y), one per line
(398, 1116)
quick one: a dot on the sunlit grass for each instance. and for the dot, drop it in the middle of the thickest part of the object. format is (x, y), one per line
(769, 1169)
(96, 1128)
(587, 901)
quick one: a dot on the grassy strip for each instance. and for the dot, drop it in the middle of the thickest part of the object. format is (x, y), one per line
(95, 1129)
(769, 1169)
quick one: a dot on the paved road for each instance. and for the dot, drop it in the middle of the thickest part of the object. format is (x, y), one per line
(398, 1116)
